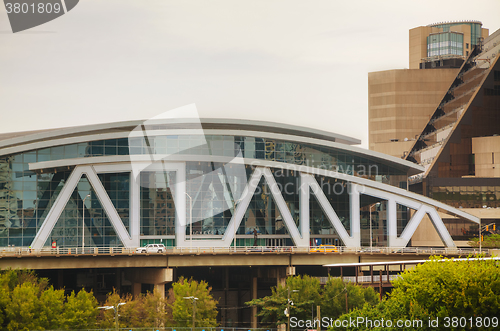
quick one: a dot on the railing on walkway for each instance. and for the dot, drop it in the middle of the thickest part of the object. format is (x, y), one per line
(363, 279)
(112, 251)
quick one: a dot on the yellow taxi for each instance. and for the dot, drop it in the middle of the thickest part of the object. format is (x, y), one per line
(324, 248)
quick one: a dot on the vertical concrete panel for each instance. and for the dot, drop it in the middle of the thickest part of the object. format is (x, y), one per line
(304, 206)
(135, 210)
(254, 308)
(161, 289)
(136, 289)
(392, 223)
(354, 211)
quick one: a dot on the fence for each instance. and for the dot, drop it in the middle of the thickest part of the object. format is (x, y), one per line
(95, 251)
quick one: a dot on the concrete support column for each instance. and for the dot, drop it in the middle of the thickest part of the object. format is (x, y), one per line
(280, 276)
(118, 279)
(60, 279)
(226, 297)
(136, 289)
(254, 308)
(355, 218)
(161, 289)
(157, 276)
(392, 223)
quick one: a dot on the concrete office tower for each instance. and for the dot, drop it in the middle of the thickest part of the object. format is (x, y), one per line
(401, 101)
(448, 112)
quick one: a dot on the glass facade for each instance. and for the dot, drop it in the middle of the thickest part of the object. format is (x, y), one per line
(468, 196)
(157, 203)
(317, 156)
(117, 186)
(374, 209)
(475, 29)
(336, 191)
(212, 191)
(263, 214)
(70, 231)
(404, 216)
(25, 198)
(445, 43)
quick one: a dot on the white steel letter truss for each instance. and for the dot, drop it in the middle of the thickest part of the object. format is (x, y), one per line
(301, 238)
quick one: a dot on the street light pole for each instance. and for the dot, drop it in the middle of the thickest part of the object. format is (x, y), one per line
(193, 299)
(288, 310)
(371, 236)
(480, 243)
(194, 314)
(288, 307)
(83, 224)
(115, 308)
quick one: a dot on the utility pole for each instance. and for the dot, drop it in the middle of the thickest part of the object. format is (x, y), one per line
(193, 299)
(115, 308)
(480, 239)
(346, 302)
(319, 317)
(287, 310)
(194, 314)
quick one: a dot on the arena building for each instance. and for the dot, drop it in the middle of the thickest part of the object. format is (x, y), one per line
(206, 183)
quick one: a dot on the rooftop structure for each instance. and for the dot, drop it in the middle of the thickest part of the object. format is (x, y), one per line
(444, 44)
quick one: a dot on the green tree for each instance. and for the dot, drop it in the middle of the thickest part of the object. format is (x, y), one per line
(4, 296)
(80, 311)
(182, 309)
(304, 293)
(154, 304)
(440, 289)
(22, 308)
(50, 308)
(334, 297)
(309, 295)
(28, 303)
(125, 318)
(491, 241)
(142, 311)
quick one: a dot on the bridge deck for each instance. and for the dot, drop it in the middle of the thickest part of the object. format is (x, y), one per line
(119, 257)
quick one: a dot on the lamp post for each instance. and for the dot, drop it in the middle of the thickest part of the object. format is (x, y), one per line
(288, 303)
(190, 221)
(371, 237)
(193, 299)
(83, 224)
(115, 308)
(480, 243)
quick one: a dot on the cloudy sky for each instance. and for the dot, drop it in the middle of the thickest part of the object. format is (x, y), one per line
(296, 62)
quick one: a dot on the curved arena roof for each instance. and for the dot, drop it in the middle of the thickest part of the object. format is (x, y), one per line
(11, 143)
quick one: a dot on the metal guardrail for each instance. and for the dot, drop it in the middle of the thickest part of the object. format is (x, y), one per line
(370, 279)
(112, 251)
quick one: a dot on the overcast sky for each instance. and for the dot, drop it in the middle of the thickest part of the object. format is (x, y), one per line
(296, 62)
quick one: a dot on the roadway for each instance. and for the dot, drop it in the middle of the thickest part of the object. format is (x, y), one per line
(119, 257)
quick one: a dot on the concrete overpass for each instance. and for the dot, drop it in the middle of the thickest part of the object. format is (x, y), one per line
(236, 274)
(120, 257)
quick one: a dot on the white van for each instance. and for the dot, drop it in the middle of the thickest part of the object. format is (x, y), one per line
(151, 248)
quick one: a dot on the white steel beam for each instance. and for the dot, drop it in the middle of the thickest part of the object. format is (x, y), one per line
(328, 210)
(56, 210)
(300, 241)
